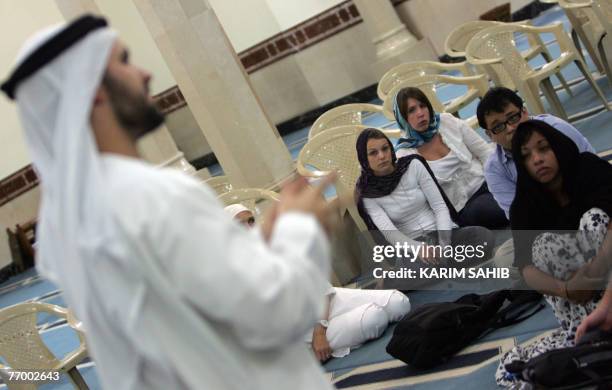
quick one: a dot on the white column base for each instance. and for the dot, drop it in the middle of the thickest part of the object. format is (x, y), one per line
(178, 161)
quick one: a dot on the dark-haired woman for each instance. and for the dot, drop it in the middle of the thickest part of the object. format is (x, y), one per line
(560, 220)
(455, 153)
(401, 199)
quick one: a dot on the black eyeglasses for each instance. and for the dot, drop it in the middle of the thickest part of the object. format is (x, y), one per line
(512, 119)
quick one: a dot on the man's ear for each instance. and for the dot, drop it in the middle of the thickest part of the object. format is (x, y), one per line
(488, 133)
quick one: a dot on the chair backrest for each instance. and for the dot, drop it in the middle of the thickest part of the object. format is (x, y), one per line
(256, 199)
(410, 70)
(496, 44)
(220, 184)
(603, 11)
(458, 39)
(20, 343)
(333, 149)
(583, 16)
(346, 114)
(427, 83)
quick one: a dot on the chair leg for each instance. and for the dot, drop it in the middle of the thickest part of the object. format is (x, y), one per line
(585, 71)
(604, 58)
(577, 44)
(532, 99)
(559, 76)
(589, 49)
(76, 379)
(553, 99)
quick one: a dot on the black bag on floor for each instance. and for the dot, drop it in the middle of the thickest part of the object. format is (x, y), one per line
(589, 363)
(433, 333)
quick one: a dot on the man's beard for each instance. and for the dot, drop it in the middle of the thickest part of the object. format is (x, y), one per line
(134, 112)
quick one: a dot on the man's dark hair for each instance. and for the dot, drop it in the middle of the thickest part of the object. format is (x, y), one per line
(411, 92)
(495, 100)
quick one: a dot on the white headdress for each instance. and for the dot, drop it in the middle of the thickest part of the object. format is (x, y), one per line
(235, 209)
(57, 75)
(58, 72)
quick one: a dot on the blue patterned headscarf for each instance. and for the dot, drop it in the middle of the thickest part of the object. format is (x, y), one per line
(414, 138)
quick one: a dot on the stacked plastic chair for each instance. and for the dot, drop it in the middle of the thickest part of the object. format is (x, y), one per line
(586, 27)
(22, 348)
(603, 11)
(346, 114)
(220, 184)
(495, 46)
(457, 41)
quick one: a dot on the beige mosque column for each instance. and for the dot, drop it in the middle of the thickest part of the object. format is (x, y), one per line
(217, 90)
(73, 8)
(394, 43)
(158, 147)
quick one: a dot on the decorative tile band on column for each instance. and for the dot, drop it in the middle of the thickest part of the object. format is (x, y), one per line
(170, 100)
(301, 36)
(16, 184)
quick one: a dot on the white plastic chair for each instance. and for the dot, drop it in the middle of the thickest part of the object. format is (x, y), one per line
(495, 45)
(220, 184)
(346, 114)
(587, 30)
(22, 347)
(603, 11)
(334, 150)
(457, 41)
(410, 70)
(477, 88)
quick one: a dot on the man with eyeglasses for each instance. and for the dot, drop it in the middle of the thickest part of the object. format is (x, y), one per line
(499, 113)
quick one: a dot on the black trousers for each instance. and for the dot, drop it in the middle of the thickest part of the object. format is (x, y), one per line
(482, 210)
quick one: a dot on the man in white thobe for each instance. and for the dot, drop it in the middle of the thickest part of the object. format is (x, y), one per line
(352, 316)
(172, 293)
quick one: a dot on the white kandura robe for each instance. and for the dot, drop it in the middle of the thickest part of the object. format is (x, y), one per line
(258, 300)
(356, 316)
(172, 293)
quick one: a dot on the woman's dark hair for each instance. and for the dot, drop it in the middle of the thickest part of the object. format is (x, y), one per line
(362, 146)
(411, 92)
(530, 194)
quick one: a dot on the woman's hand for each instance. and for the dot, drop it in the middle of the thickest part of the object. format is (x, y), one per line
(601, 317)
(320, 345)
